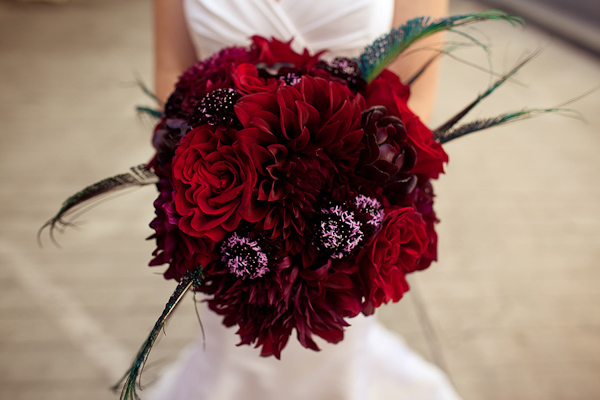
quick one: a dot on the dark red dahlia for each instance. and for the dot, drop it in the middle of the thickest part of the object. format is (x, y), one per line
(274, 52)
(268, 309)
(301, 138)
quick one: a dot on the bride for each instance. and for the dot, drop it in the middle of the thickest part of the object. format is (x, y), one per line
(370, 363)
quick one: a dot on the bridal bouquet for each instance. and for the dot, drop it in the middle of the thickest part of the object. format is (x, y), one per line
(303, 193)
(294, 191)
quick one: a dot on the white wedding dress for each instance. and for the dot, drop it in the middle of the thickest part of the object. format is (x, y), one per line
(371, 363)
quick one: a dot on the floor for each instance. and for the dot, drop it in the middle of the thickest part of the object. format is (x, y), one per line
(510, 311)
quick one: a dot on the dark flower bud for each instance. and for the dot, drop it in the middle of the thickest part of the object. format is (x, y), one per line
(346, 69)
(216, 107)
(387, 157)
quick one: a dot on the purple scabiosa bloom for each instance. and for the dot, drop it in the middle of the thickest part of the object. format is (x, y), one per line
(338, 232)
(216, 107)
(291, 78)
(244, 257)
(372, 207)
(344, 69)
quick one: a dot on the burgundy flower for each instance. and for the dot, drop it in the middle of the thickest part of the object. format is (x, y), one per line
(244, 257)
(247, 80)
(387, 156)
(301, 138)
(213, 184)
(387, 90)
(344, 70)
(204, 77)
(338, 232)
(182, 252)
(313, 302)
(422, 198)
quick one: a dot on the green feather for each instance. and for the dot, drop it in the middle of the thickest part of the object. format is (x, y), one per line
(147, 91)
(139, 176)
(447, 126)
(149, 111)
(131, 379)
(481, 124)
(377, 56)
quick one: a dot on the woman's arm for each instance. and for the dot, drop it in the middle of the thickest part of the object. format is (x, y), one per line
(173, 48)
(424, 89)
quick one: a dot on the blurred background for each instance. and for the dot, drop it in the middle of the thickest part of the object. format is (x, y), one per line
(511, 310)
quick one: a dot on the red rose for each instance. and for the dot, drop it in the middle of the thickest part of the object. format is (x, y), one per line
(430, 154)
(388, 91)
(422, 198)
(213, 184)
(182, 252)
(246, 80)
(394, 252)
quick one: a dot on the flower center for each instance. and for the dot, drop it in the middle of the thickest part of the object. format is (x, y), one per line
(216, 107)
(338, 232)
(244, 257)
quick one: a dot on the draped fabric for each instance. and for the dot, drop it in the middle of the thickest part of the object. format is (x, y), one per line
(371, 363)
(344, 27)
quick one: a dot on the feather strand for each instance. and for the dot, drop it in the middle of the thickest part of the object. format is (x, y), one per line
(486, 123)
(441, 131)
(139, 176)
(131, 381)
(377, 56)
(153, 112)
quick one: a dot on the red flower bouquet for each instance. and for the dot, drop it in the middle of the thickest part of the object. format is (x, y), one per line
(296, 187)
(294, 191)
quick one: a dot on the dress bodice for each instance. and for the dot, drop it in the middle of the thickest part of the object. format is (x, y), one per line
(344, 27)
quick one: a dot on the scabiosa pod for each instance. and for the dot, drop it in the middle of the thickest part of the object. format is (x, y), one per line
(216, 107)
(338, 232)
(372, 207)
(244, 257)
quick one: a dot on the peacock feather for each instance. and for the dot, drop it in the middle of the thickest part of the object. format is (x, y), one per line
(139, 176)
(447, 126)
(486, 123)
(377, 56)
(153, 112)
(131, 379)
